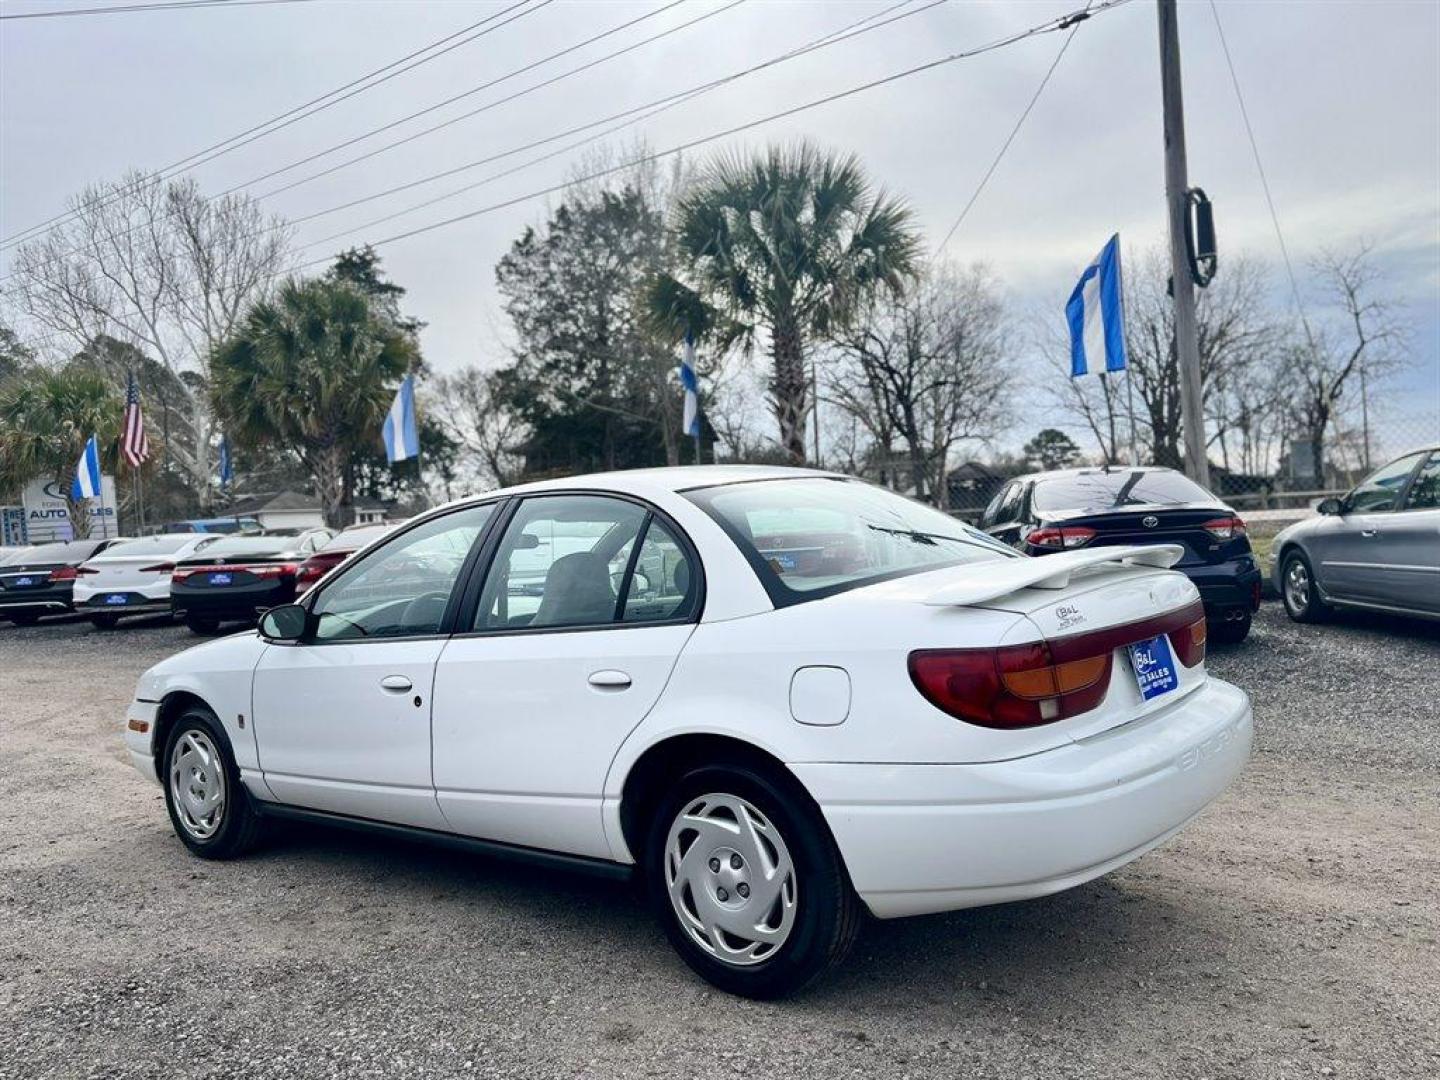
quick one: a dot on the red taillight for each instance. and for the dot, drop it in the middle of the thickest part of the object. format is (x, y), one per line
(158, 568)
(1017, 686)
(1058, 537)
(64, 573)
(1021, 686)
(316, 567)
(260, 570)
(269, 570)
(1226, 528)
(81, 571)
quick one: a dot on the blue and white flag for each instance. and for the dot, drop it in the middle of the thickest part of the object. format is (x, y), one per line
(691, 422)
(402, 438)
(1096, 314)
(87, 472)
(227, 467)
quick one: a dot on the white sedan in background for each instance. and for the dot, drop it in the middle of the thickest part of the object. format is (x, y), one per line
(784, 697)
(133, 577)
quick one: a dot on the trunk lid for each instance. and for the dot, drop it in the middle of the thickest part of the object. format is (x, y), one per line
(1158, 524)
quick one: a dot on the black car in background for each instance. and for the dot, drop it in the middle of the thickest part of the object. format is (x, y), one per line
(42, 580)
(1074, 508)
(238, 577)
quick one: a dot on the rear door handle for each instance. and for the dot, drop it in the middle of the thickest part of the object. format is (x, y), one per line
(610, 680)
(396, 684)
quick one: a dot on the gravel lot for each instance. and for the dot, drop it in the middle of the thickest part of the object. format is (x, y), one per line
(1291, 931)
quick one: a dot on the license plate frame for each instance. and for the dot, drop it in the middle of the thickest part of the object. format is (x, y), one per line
(1153, 663)
(117, 599)
(222, 579)
(22, 582)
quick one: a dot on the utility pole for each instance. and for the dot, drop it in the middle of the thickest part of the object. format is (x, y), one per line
(1183, 284)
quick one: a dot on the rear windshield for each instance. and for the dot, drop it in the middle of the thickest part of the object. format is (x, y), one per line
(153, 545)
(354, 539)
(809, 538)
(1117, 488)
(250, 545)
(73, 551)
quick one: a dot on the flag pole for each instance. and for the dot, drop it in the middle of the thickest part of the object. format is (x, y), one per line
(1130, 401)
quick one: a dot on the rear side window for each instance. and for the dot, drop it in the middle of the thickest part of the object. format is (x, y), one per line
(1117, 489)
(813, 537)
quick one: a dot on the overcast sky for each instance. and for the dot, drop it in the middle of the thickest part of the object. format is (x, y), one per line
(1344, 97)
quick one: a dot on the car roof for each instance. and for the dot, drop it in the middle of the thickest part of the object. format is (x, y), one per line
(663, 479)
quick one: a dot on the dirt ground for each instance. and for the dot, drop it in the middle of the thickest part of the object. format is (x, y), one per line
(1291, 931)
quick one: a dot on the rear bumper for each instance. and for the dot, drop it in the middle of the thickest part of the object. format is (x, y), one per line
(43, 601)
(244, 602)
(1226, 586)
(926, 838)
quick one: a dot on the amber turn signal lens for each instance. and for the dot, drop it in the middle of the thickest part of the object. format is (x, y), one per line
(141, 726)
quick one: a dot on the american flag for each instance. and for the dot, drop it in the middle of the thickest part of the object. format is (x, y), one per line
(133, 444)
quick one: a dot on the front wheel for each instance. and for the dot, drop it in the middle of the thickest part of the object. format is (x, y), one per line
(209, 808)
(104, 622)
(24, 618)
(200, 624)
(747, 882)
(1298, 590)
(1231, 631)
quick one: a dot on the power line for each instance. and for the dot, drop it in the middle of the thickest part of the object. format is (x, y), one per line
(1046, 27)
(510, 75)
(1019, 123)
(1264, 181)
(646, 111)
(324, 101)
(1049, 26)
(475, 90)
(121, 9)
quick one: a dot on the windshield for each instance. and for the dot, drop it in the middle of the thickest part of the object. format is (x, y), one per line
(808, 538)
(1116, 489)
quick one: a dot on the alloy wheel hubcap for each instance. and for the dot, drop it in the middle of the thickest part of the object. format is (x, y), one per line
(1297, 586)
(731, 879)
(197, 784)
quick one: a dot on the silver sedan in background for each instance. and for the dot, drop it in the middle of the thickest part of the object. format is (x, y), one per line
(1376, 548)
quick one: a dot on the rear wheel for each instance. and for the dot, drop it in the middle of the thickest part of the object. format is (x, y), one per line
(105, 622)
(24, 618)
(747, 882)
(210, 809)
(1298, 590)
(202, 625)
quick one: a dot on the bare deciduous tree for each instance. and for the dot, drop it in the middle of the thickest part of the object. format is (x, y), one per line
(157, 266)
(469, 406)
(926, 371)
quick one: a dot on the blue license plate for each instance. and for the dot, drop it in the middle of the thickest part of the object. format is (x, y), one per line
(1154, 667)
(21, 582)
(117, 598)
(786, 563)
(220, 579)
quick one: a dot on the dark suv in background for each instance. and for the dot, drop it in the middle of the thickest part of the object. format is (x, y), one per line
(1116, 504)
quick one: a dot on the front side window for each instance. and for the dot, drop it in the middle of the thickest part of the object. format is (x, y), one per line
(808, 538)
(561, 563)
(1425, 491)
(402, 588)
(1380, 491)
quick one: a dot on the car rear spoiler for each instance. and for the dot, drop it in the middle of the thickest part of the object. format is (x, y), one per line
(994, 580)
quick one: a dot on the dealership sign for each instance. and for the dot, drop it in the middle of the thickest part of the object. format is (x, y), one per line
(46, 519)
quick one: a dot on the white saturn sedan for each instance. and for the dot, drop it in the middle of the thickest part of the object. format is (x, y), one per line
(782, 697)
(133, 577)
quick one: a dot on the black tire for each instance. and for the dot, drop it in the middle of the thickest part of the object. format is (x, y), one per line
(1298, 591)
(104, 622)
(1231, 631)
(202, 625)
(827, 913)
(24, 618)
(235, 829)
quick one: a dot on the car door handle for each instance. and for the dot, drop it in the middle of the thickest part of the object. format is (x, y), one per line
(396, 684)
(610, 680)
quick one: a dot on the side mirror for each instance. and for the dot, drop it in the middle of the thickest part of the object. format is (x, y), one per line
(287, 622)
(1330, 506)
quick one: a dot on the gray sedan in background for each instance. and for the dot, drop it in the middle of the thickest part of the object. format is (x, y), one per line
(1377, 547)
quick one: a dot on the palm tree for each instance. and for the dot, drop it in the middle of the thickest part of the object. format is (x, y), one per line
(791, 241)
(314, 368)
(46, 416)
